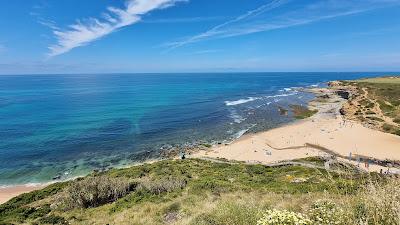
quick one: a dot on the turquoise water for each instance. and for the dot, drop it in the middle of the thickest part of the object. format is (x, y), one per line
(67, 125)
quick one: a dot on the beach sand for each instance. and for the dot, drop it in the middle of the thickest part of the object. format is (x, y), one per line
(7, 193)
(326, 131)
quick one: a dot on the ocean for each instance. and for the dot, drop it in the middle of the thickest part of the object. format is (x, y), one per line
(62, 126)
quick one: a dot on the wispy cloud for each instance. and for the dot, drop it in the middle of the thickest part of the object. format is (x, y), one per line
(219, 29)
(83, 33)
(185, 20)
(267, 17)
(48, 23)
(204, 52)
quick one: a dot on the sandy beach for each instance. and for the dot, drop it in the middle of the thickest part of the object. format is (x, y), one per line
(326, 131)
(7, 193)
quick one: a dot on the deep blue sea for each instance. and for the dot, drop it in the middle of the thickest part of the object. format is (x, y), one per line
(68, 125)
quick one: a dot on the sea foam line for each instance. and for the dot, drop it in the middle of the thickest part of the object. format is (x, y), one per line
(240, 101)
(250, 99)
(236, 117)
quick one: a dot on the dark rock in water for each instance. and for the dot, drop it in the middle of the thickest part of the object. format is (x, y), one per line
(325, 96)
(343, 94)
(283, 111)
(58, 177)
(342, 112)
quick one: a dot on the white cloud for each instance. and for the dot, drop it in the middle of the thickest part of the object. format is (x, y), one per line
(267, 18)
(83, 33)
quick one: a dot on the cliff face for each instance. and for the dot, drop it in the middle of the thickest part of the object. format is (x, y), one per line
(373, 102)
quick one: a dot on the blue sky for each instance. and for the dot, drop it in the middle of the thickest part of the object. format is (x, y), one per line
(111, 36)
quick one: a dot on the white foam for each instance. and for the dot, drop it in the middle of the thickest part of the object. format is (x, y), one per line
(240, 133)
(240, 101)
(281, 95)
(265, 104)
(250, 99)
(236, 117)
(25, 185)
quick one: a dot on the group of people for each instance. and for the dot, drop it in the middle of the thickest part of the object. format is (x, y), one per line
(367, 163)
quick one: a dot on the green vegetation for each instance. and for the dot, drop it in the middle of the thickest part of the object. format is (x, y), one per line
(186, 192)
(383, 92)
(386, 91)
(94, 191)
(381, 80)
(302, 112)
(206, 145)
(19, 209)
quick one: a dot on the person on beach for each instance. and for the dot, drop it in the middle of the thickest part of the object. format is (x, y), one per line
(183, 156)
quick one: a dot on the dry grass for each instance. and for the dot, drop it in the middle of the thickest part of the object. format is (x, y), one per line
(202, 192)
(93, 192)
(159, 186)
(380, 204)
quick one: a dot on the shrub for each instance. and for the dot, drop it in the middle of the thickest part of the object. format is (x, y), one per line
(325, 212)
(381, 203)
(95, 191)
(53, 220)
(232, 213)
(277, 217)
(161, 185)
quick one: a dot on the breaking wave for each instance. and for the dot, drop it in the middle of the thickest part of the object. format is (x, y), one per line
(240, 101)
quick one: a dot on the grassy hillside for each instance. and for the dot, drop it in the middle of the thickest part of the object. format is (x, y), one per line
(377, 103)
(202, 192)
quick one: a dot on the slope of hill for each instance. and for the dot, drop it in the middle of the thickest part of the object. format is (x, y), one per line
(197, 191)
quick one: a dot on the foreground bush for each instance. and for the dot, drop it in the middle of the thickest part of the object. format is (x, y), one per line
(380, 204)
(95, 191)
(278, 217)
(232, 213)
(160, 186)
(326, 212)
